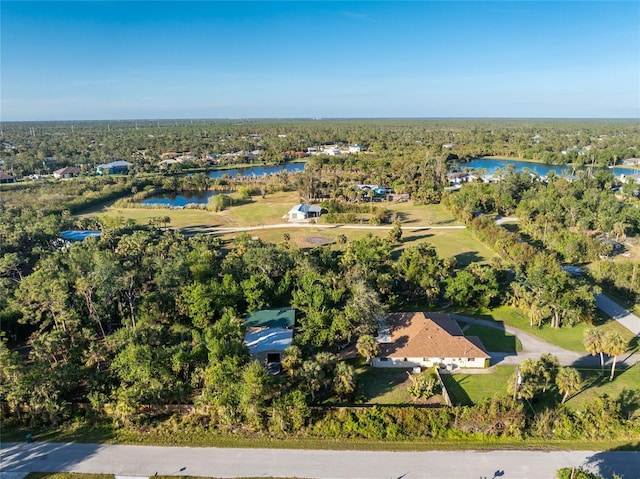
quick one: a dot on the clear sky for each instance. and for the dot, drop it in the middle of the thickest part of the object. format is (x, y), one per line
(125, 60)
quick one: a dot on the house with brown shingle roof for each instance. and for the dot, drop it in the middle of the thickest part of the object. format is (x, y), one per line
(413, 339)
(66, 172)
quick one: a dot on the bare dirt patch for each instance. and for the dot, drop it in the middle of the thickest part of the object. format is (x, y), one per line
(318, 240)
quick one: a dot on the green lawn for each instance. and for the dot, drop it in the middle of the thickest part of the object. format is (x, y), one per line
(595, 385)
(567, 337)
(466, 389)
(384, 386)
(493, 339)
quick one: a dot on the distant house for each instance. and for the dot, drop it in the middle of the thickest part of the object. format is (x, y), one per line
(458, 177)
(113, 168)
(304, 212)
(66, 172)
(6, 178)
(631, 161)
(79, 235)
(355, 148)
(269, 333)
(408, 340)
(449, 145)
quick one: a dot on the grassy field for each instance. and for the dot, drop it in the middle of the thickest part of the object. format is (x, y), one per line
(466, 389)
(569, 338)
(457, 243)
(266, 211)
(627, 380)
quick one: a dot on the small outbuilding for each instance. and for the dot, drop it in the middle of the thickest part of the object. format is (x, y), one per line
(269, 333)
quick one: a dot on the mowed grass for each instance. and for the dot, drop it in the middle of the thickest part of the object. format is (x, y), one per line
(626, 380)
(456, 243)
(493, 339)
(178, 218)
(384, 386)
(467, 389)
(570, 338)
(267, 210)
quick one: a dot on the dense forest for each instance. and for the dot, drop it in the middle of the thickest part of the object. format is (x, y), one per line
(144, 320)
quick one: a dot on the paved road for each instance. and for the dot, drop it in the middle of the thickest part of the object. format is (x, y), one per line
(617, 312)
(145, 461)
(533, 347)
(212, 230)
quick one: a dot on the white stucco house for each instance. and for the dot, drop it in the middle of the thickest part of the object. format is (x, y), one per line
(407, 340)
(303, 212)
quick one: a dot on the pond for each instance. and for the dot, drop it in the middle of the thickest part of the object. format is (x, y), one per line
(490, 165)
(181, 198)
(257, 170)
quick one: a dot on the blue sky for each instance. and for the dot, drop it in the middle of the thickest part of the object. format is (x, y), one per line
(124, 60)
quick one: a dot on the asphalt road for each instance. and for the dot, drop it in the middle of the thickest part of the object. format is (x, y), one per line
(145, 461)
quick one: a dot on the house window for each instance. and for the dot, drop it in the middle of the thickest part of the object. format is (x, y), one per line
(470, 360)
(384, 359)
(404, 359)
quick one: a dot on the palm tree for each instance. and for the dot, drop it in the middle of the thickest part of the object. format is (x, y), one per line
(344, 381)
(568, 381)
(614, 344)
(367, 347)
(593, 341)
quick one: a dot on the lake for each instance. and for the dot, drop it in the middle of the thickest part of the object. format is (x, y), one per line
(257, 170)
(540, 169)
(182, 198)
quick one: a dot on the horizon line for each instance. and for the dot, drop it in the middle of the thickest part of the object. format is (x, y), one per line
(307, 118)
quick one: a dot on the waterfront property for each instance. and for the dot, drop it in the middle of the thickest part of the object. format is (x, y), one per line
(413, 339)
(493, 165)
(181, 199)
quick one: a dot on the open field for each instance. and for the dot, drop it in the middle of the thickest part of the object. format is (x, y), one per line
(458, 243)
(267, 211)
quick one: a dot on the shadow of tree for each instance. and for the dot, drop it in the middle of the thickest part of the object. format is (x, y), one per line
(623, 461)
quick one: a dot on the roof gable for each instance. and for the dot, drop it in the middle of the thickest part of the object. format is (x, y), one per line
(416, 335)
(271, 339)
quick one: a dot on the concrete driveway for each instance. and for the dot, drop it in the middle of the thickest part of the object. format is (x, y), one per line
(533, 348)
